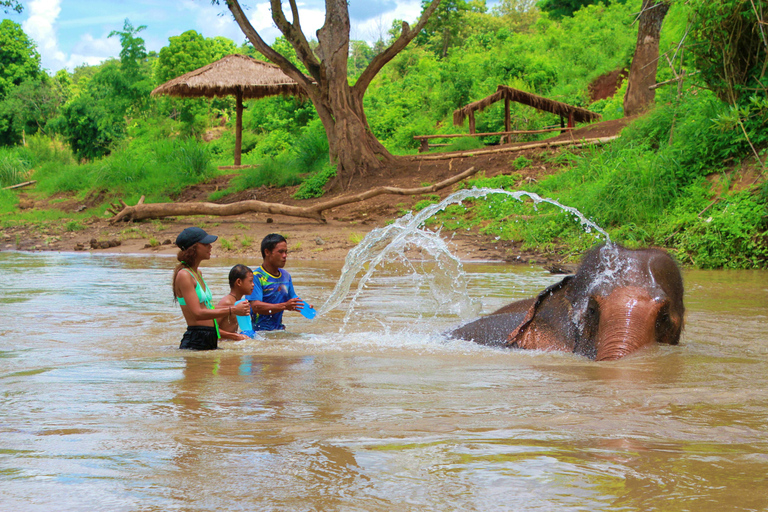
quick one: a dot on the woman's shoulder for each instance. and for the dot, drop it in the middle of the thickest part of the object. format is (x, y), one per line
(184, 276)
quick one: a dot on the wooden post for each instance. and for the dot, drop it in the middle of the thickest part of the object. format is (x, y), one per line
(507, 122)
(571, 122)
(562, 124)
(471, 122)
(507, 117)
(238, 125)
(424, 146)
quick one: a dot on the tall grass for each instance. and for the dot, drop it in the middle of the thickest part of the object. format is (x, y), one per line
(41, 149)
(159, 170)
(13, 169)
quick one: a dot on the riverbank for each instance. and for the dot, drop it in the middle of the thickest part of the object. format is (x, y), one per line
(242, 235)
(345, 226)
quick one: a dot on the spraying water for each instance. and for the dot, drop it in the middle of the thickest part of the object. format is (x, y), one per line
(447, 282)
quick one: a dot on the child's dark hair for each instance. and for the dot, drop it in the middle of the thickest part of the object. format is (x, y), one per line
(269, 243)
(238, 272)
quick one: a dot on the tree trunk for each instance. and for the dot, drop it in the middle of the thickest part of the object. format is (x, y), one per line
(353, 146)
(642, 73)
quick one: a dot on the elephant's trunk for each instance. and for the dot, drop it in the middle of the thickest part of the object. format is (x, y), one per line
(627, 323)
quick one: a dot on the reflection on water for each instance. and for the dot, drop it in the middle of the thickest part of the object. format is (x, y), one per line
(101, 411)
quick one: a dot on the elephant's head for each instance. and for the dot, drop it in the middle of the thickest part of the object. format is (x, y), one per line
(618, 301)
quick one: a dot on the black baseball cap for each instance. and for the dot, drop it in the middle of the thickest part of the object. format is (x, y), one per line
(193, 235)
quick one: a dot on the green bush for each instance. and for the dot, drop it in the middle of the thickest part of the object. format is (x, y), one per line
(732, 234)
(303, 158)
(313, 186)
(42, 149)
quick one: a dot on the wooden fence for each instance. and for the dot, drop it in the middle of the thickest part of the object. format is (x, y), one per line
(425, 145)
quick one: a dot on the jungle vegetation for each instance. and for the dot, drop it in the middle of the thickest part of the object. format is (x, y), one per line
(689, 175)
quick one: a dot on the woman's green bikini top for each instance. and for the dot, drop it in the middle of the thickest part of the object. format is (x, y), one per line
(205, 297)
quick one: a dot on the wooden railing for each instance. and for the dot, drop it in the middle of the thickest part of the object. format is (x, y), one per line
(425, 145)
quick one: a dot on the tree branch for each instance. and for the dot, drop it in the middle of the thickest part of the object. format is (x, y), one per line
(266, 50)
(292, 32)
(406, 36)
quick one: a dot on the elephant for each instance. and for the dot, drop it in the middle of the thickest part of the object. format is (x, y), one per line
(618, 301)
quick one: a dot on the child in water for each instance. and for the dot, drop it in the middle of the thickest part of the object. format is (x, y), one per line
(240, 284)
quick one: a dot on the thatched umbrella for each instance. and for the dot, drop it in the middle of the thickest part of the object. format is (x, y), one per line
(238, 75)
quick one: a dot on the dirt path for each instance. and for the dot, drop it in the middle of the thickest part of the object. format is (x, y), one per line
(307, 239)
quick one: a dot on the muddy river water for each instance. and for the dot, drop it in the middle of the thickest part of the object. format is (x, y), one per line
(101, 411)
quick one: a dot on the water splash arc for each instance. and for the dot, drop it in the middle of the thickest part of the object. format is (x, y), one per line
(387, 243)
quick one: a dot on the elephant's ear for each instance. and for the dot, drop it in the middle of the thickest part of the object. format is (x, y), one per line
(547, 324)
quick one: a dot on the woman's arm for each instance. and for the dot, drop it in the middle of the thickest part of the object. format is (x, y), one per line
(185, 285)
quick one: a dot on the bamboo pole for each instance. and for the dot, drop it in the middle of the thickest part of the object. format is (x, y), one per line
(20, 185)
(463, 154)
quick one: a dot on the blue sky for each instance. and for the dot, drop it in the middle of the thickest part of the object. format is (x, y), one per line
(69, 33)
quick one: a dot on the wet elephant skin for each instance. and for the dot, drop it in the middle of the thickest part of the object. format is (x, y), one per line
(619, 301)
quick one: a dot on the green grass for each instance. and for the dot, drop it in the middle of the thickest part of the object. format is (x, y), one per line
(226, 244)
(246, 242)
(158, 170)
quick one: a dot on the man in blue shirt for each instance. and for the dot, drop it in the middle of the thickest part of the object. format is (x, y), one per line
(273, 288)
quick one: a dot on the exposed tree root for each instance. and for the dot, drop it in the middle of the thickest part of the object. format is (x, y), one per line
(142, 211)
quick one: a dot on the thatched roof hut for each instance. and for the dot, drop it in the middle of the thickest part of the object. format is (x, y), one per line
(238, 75)
(508, 94)
(227, 76)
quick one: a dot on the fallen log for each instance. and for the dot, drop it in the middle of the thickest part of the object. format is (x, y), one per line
(142, 211)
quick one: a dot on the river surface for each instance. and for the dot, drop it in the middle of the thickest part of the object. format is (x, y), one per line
(101, 411)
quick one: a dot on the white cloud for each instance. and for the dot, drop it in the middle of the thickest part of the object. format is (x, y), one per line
(40, 27)
(90, 50)
(372, 29)
(69, 34)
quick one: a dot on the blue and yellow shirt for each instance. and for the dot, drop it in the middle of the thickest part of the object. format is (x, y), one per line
(272, 290)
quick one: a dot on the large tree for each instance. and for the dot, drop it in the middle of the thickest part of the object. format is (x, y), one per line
(184, 53)
(19, 59)
(339, 105)
(645, 62)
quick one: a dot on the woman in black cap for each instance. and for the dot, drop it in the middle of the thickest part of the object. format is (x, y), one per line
(193, 294)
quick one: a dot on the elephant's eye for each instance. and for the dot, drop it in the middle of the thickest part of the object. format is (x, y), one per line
(592, 307)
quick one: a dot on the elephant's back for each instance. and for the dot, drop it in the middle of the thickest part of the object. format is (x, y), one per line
(491, 330)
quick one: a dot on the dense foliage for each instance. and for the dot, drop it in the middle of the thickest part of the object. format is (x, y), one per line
(688, 176)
